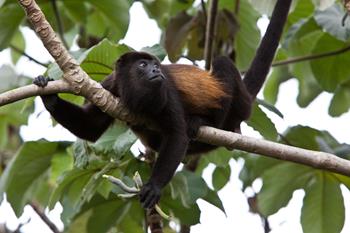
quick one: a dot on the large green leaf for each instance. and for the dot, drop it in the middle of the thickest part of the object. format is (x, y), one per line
(340, 102)
(245, 48)
(262, 123)
(302, 10)
(331, 71)
(99, 61)
(107, 215)
(221, 176)
(278, 187)
(118, 22)
(11, 17)
(308, 138)
(32, 161)
(323, 208)
(302, 39)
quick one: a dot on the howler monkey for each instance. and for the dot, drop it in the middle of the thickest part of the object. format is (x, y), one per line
(178, 99)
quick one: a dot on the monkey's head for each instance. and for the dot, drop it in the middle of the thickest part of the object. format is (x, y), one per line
(140, 67)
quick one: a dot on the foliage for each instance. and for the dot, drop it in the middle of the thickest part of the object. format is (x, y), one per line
(71, 173)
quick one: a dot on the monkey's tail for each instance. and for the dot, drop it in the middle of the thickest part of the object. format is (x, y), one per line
(260, 66)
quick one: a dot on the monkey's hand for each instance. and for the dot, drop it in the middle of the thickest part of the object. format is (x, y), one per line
(149, 195)
(49, 100)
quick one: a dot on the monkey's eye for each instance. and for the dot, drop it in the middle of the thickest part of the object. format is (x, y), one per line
(156, 66)
(143, 64)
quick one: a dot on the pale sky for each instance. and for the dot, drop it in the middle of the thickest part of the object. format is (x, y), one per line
(238, 218)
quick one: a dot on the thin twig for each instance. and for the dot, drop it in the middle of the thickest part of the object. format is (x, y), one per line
(204, 9)
(45, 219)
(311, 57)
(237, 7)
(16, 49)
(210, 33)
(59, 22)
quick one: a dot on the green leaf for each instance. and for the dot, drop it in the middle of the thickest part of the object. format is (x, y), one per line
(323, 208)
(306, 137)
(188, 186)
(273, 82)
(254, 167)
(156, 50)
(188, 216)
(123, 142)
(270, 107)
(64, 182)
(278, 187)
(262, 123)
(118, 23)
(331, 71)
(99, 60)
(11, 17)
(31, 162)
(19, 43)
(60, 163)
(245, 49)
(330, 20)
(81, 153)
(106, 215)
(221, 176)
(213, 198)
(108, 139)
(219, 157)
(303, 9)
(340, 102)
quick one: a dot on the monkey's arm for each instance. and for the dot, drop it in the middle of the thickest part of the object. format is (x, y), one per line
(172, 150)
(87, 122)
(260, 66)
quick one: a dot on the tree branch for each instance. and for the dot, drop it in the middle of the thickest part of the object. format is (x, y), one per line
(59, 22)
(311, 57)
(59, 86)
(210, 32)
(44, 218)
(83, 85)
(27, 56)
(316, 159)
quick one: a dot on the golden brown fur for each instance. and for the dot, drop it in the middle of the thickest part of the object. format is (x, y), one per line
(197, 87)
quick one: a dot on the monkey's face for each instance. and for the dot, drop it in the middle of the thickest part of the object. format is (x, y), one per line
(147, 70)
(140, 68)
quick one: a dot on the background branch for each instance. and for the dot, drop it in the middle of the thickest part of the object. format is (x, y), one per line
(59, 22)
(311, 57)
(210, 33)
(44, 218)
(28, 56)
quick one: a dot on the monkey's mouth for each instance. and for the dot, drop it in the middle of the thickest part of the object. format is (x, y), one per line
(157, 77)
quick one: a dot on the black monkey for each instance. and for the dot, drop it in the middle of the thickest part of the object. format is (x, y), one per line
(178, 99)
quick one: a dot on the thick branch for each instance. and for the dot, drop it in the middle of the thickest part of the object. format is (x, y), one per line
(210, 32)
(11, 96)
(311, 158)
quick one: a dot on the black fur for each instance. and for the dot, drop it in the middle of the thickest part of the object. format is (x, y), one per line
(149, 92)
